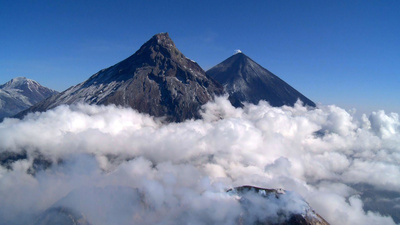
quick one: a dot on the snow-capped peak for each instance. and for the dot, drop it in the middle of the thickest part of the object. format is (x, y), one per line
(19, 94)
(237, 51)
(18, 82)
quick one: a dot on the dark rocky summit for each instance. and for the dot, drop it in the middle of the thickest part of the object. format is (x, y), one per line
(292, 210)
(158, 79)
(247, 81)
(21, 93)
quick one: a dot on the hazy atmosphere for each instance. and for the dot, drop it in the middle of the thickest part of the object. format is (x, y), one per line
(155, 139)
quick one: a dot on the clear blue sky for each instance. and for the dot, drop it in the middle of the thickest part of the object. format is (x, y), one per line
(335, 52)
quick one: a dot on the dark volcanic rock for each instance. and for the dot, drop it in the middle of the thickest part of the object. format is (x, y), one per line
(280, 208)
(158, 79)
(245, 80)
(7, 158)
(39, 161)
(21, 93)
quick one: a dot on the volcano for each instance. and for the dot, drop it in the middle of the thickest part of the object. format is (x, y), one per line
(158, 80)
(247, 81)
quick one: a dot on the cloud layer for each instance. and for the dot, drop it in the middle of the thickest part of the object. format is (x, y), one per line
(325, 155)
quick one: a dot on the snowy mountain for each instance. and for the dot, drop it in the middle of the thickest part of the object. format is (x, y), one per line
(21, 93)
(158, 79)
(247, 81)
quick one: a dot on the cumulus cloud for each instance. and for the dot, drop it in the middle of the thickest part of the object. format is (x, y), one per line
(322, 154)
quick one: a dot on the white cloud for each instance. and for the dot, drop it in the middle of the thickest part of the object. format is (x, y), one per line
(318, 153)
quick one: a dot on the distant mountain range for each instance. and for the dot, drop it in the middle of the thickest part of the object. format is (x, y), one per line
(159, 80)
(21, 93)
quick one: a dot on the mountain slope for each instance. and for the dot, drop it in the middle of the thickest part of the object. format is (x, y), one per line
(247, 81)
(158, 79)
(21, 93)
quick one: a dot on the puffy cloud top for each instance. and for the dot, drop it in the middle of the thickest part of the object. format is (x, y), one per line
(325, 154)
